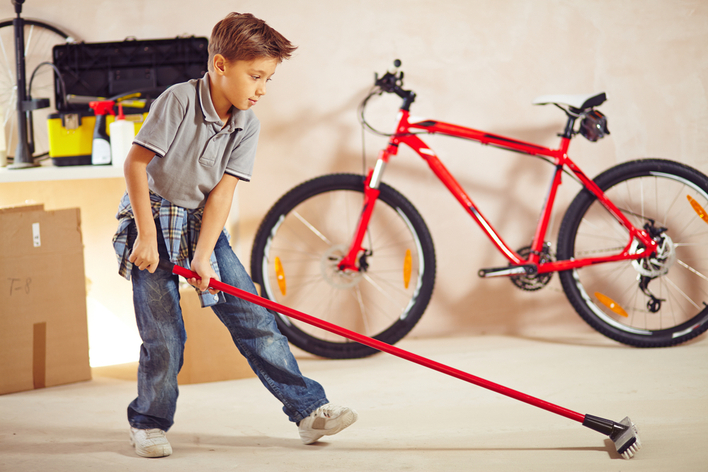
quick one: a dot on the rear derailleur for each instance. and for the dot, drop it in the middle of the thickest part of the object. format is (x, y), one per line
(655, 266)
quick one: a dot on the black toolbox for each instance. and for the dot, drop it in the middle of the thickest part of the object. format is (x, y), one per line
(135, 71)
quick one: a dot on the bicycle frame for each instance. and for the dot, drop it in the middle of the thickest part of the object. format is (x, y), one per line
(407, 133)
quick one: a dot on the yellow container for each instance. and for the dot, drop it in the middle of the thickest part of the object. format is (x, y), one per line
(71, 136)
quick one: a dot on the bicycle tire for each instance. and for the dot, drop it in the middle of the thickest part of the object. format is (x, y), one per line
(40, 38)
(610, 296)
(309, 229)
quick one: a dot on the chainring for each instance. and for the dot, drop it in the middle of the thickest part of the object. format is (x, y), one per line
(533, 282)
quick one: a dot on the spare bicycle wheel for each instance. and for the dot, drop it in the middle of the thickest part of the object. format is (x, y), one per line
(40, 39)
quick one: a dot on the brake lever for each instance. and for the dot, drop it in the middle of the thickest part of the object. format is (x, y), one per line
(391, 79)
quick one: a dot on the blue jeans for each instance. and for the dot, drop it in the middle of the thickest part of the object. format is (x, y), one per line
(253, 329)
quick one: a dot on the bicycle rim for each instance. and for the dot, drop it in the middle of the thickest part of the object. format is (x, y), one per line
(652, 302)
(40, 39)
(299, 267)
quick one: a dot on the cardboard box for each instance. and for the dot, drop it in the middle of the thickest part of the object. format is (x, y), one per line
(209, 354)
(43, 322)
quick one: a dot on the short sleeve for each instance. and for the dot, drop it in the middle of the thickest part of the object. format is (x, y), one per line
(244, 154)
(162, 123)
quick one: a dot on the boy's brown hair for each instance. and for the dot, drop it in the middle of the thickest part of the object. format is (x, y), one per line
(243, 37)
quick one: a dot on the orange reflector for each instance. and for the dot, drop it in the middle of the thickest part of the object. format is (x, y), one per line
(407, 268)
(611, 304)
(280, 275)
(698, 208)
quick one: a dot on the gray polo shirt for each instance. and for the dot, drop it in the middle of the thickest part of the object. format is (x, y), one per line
(193, 146)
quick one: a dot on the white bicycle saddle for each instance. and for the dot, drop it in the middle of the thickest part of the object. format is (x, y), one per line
(580, 102)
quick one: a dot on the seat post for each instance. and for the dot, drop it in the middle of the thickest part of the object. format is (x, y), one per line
(569, 125)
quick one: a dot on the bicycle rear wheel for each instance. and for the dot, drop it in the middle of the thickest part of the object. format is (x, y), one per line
(653, 302)
(305, 235)
(40, 39)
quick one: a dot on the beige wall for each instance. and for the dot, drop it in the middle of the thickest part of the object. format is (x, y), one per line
(473, 62)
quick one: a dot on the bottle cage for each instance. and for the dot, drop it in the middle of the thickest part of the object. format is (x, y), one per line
(594, 126)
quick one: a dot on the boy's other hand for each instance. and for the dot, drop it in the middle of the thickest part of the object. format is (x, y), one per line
(206, 272)
(145, 254)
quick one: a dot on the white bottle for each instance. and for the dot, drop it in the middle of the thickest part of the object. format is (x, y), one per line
(101, 148)
(122, 134)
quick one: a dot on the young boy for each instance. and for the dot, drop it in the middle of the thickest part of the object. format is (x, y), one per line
(198, 141)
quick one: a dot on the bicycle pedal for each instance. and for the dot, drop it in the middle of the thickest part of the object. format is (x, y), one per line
(527, 269)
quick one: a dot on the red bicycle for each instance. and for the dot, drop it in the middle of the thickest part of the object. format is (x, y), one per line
(632, 250)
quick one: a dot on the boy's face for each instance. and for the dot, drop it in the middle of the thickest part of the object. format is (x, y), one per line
(243, 83)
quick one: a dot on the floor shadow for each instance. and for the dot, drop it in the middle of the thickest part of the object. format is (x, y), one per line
(497, 449)
(91, 441)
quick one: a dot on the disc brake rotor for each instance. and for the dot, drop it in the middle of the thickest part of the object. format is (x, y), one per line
(658, 264)
(329, 266)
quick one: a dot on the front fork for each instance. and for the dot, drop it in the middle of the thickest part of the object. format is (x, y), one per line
(355, 259)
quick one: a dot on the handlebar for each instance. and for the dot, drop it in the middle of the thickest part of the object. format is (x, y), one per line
(392, 81)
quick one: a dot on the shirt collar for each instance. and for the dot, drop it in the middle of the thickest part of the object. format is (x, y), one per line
(237, 120)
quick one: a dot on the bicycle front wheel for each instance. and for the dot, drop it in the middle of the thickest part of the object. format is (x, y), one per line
(40, 39)
(304, 236)
(652, 302)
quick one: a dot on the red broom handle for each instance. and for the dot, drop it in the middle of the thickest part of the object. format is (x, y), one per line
(381, 346)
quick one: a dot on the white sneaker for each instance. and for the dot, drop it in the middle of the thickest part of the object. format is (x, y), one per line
(150, 442)
(326, 420)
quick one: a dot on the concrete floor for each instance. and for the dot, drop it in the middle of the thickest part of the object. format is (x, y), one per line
(410, 418)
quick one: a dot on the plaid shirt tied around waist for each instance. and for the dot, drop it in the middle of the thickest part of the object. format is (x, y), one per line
(180, 230)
